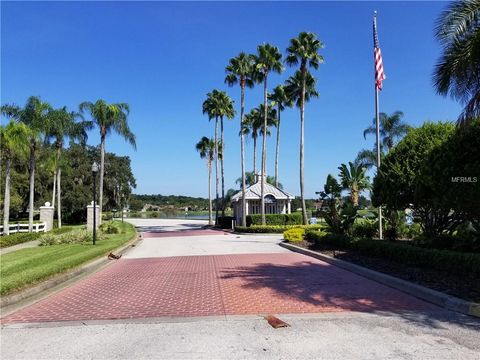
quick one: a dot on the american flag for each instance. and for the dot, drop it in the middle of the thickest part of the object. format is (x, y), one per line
(379, 74)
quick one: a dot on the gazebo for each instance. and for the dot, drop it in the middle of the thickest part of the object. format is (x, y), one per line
(277, 201)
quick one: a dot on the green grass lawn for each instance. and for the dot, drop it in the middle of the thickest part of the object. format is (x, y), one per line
(21, 268)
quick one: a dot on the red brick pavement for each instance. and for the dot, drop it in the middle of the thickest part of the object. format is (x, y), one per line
(216, 285)
(198, 232)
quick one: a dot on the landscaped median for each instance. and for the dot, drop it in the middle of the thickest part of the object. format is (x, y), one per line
(23, 268)
(274, 229)
(448, 272)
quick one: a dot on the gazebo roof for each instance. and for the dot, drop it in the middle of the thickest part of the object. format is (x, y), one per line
(254, 191)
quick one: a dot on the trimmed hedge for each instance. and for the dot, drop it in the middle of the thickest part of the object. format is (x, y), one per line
(294, 235)
(275, 219)
(274, 229)
(460, 264)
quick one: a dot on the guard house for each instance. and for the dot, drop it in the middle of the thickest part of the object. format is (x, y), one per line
(277, 201)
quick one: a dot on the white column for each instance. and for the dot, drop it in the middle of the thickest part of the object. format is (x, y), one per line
(46, 216)
(289, 207)
(90, 216)
(247, 209)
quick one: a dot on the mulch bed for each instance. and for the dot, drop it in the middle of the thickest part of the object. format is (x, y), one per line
(465, 288)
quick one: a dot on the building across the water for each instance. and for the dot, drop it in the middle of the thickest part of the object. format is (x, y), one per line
(277, 201)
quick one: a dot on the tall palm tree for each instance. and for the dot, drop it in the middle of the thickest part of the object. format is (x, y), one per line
(210, 108)
(279, 97)
(109, 118)
(254, 123)
(225, 109)
(240, 70)
(63, 124)
(13, 141)
(353, 178)
(35, 116)
(267, 60)
(304, 50)
(458, 70)
(368, 158)
(392, 127)
(206, 148)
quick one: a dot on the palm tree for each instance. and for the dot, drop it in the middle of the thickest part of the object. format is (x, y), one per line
(206, 148)
(368, 158)
(35, 116)
(13, 141)
(304, 50)
(219, 105)
(458, 70)
(279, 97)
(62, 124)
(225, 109)
(267, 60)
(250, 180)
(392, 127)
(108, 118)
(353, 179)
(240, 70)
(254, 125)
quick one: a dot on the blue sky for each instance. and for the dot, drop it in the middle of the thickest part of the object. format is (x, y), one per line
(162, 59)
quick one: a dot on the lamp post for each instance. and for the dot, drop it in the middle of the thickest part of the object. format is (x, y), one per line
(94, 173)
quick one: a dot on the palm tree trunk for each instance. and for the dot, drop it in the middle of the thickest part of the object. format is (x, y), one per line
(223, 164)
(277, 150)
(302, 139)
(354, 197)
(210, 192)
(264, 150)
(216, 171)
(242, 145)
(6, 199)
(102, 170)
(32, 186)
(254, 157)
(59, 195)
(54, 187)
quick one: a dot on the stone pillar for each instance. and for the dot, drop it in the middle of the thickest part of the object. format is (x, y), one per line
(90, 216)
(289, 207)
(46, 216)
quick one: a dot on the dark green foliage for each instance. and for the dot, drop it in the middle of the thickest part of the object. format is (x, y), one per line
(275, 219)
(225, 222)
(460, 264)
(110, 227)
(365, 229)
(169, 200)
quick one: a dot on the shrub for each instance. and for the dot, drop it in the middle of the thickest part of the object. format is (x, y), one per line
(294, 235)
(17, 238)
(276, 219)
(460, 264)
(110, 227)
(71, 237)
(365, 229)
(274, 229)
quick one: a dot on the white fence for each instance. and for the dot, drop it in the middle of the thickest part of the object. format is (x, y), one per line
(15, 228)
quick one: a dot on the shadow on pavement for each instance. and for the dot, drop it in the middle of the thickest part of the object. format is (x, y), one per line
(325, 285)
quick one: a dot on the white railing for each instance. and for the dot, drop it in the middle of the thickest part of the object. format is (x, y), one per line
(16, 228)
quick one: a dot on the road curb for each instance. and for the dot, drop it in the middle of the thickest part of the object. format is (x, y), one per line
(35, 292)
(435, 297)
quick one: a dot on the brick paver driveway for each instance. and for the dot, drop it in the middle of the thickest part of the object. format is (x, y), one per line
(257, 282)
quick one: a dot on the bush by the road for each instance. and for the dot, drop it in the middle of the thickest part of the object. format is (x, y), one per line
(274, 229)
(275, 219)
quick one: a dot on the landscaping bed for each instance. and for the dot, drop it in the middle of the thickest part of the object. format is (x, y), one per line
(465, 287)
(26, 267)
(20, 238)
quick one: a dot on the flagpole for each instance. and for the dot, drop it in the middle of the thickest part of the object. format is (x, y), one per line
(377, 125)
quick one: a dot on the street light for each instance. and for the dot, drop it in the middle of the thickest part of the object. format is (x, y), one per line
(94, 173)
